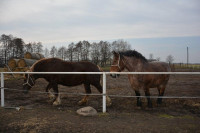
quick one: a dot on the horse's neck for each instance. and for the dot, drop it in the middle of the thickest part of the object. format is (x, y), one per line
(135, 65)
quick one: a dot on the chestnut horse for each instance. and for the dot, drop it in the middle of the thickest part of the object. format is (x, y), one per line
(58, 65)
(133, 61)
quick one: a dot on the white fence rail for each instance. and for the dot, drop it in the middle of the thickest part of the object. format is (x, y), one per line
(104, 94)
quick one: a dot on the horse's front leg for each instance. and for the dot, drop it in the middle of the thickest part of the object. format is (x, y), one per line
(147, 93)
(85, 98)
(136, 86)
(139, 103)
(161, 90)
(57, 95)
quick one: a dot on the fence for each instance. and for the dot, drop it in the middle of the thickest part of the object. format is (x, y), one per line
(104, 94)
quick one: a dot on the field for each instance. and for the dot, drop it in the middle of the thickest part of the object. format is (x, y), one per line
(193, 67)
(38, 115)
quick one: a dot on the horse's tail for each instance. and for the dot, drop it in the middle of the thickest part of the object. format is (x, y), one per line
(101, 70)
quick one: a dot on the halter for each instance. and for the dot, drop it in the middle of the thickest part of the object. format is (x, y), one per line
(27, 83)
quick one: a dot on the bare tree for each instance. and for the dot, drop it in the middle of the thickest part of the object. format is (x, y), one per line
(120, 45)
(18, 47)
(95, 53)
(46, 52)
(85, 50)
(38, 47)
(78, 50)
(61, 52)
(158, 58)
(6, 41)
(70, 51)
(150, 56)
(170, 59)
(53, 51)
(34, 46)
(105, 51)
(13, 47)
(28, 47)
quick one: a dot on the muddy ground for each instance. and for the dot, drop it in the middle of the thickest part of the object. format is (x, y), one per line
(38, 115)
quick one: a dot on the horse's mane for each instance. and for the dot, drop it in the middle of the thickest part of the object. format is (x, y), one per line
(133, 53)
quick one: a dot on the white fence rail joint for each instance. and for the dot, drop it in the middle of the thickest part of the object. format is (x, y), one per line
(104, 94)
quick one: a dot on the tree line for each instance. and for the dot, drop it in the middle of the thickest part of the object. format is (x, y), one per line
(14, 47)
(97, 52)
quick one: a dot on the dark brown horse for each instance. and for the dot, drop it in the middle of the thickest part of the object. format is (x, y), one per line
(133, 61)
(57, 65)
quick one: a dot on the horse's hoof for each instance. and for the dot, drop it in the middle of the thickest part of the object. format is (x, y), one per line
(81, 103)
(56, 103)
(108, 101)
(108, 104)
(51, 97)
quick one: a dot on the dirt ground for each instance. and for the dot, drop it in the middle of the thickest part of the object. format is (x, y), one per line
(37, 114)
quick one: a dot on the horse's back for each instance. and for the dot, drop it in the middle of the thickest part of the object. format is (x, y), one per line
(58, 65)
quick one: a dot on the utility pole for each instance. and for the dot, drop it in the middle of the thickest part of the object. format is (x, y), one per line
(187, 56)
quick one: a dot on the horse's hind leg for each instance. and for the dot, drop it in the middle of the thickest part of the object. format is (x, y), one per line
(50, 94)
(139, 103)
(57, 95)
(161, 90)
(85, 98)
(147, 93)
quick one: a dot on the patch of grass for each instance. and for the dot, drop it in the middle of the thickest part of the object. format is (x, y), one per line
(106, 68)
(172, 117)
(186, 117)
(103, 114)
(185, 66)
(166, 116)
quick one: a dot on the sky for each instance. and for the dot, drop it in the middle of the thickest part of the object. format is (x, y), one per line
(150, 26)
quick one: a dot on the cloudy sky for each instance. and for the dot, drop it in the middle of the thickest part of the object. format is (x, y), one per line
(150, 26)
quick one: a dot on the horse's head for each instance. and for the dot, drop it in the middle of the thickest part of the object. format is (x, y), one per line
(29, 82)
(117, 65)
